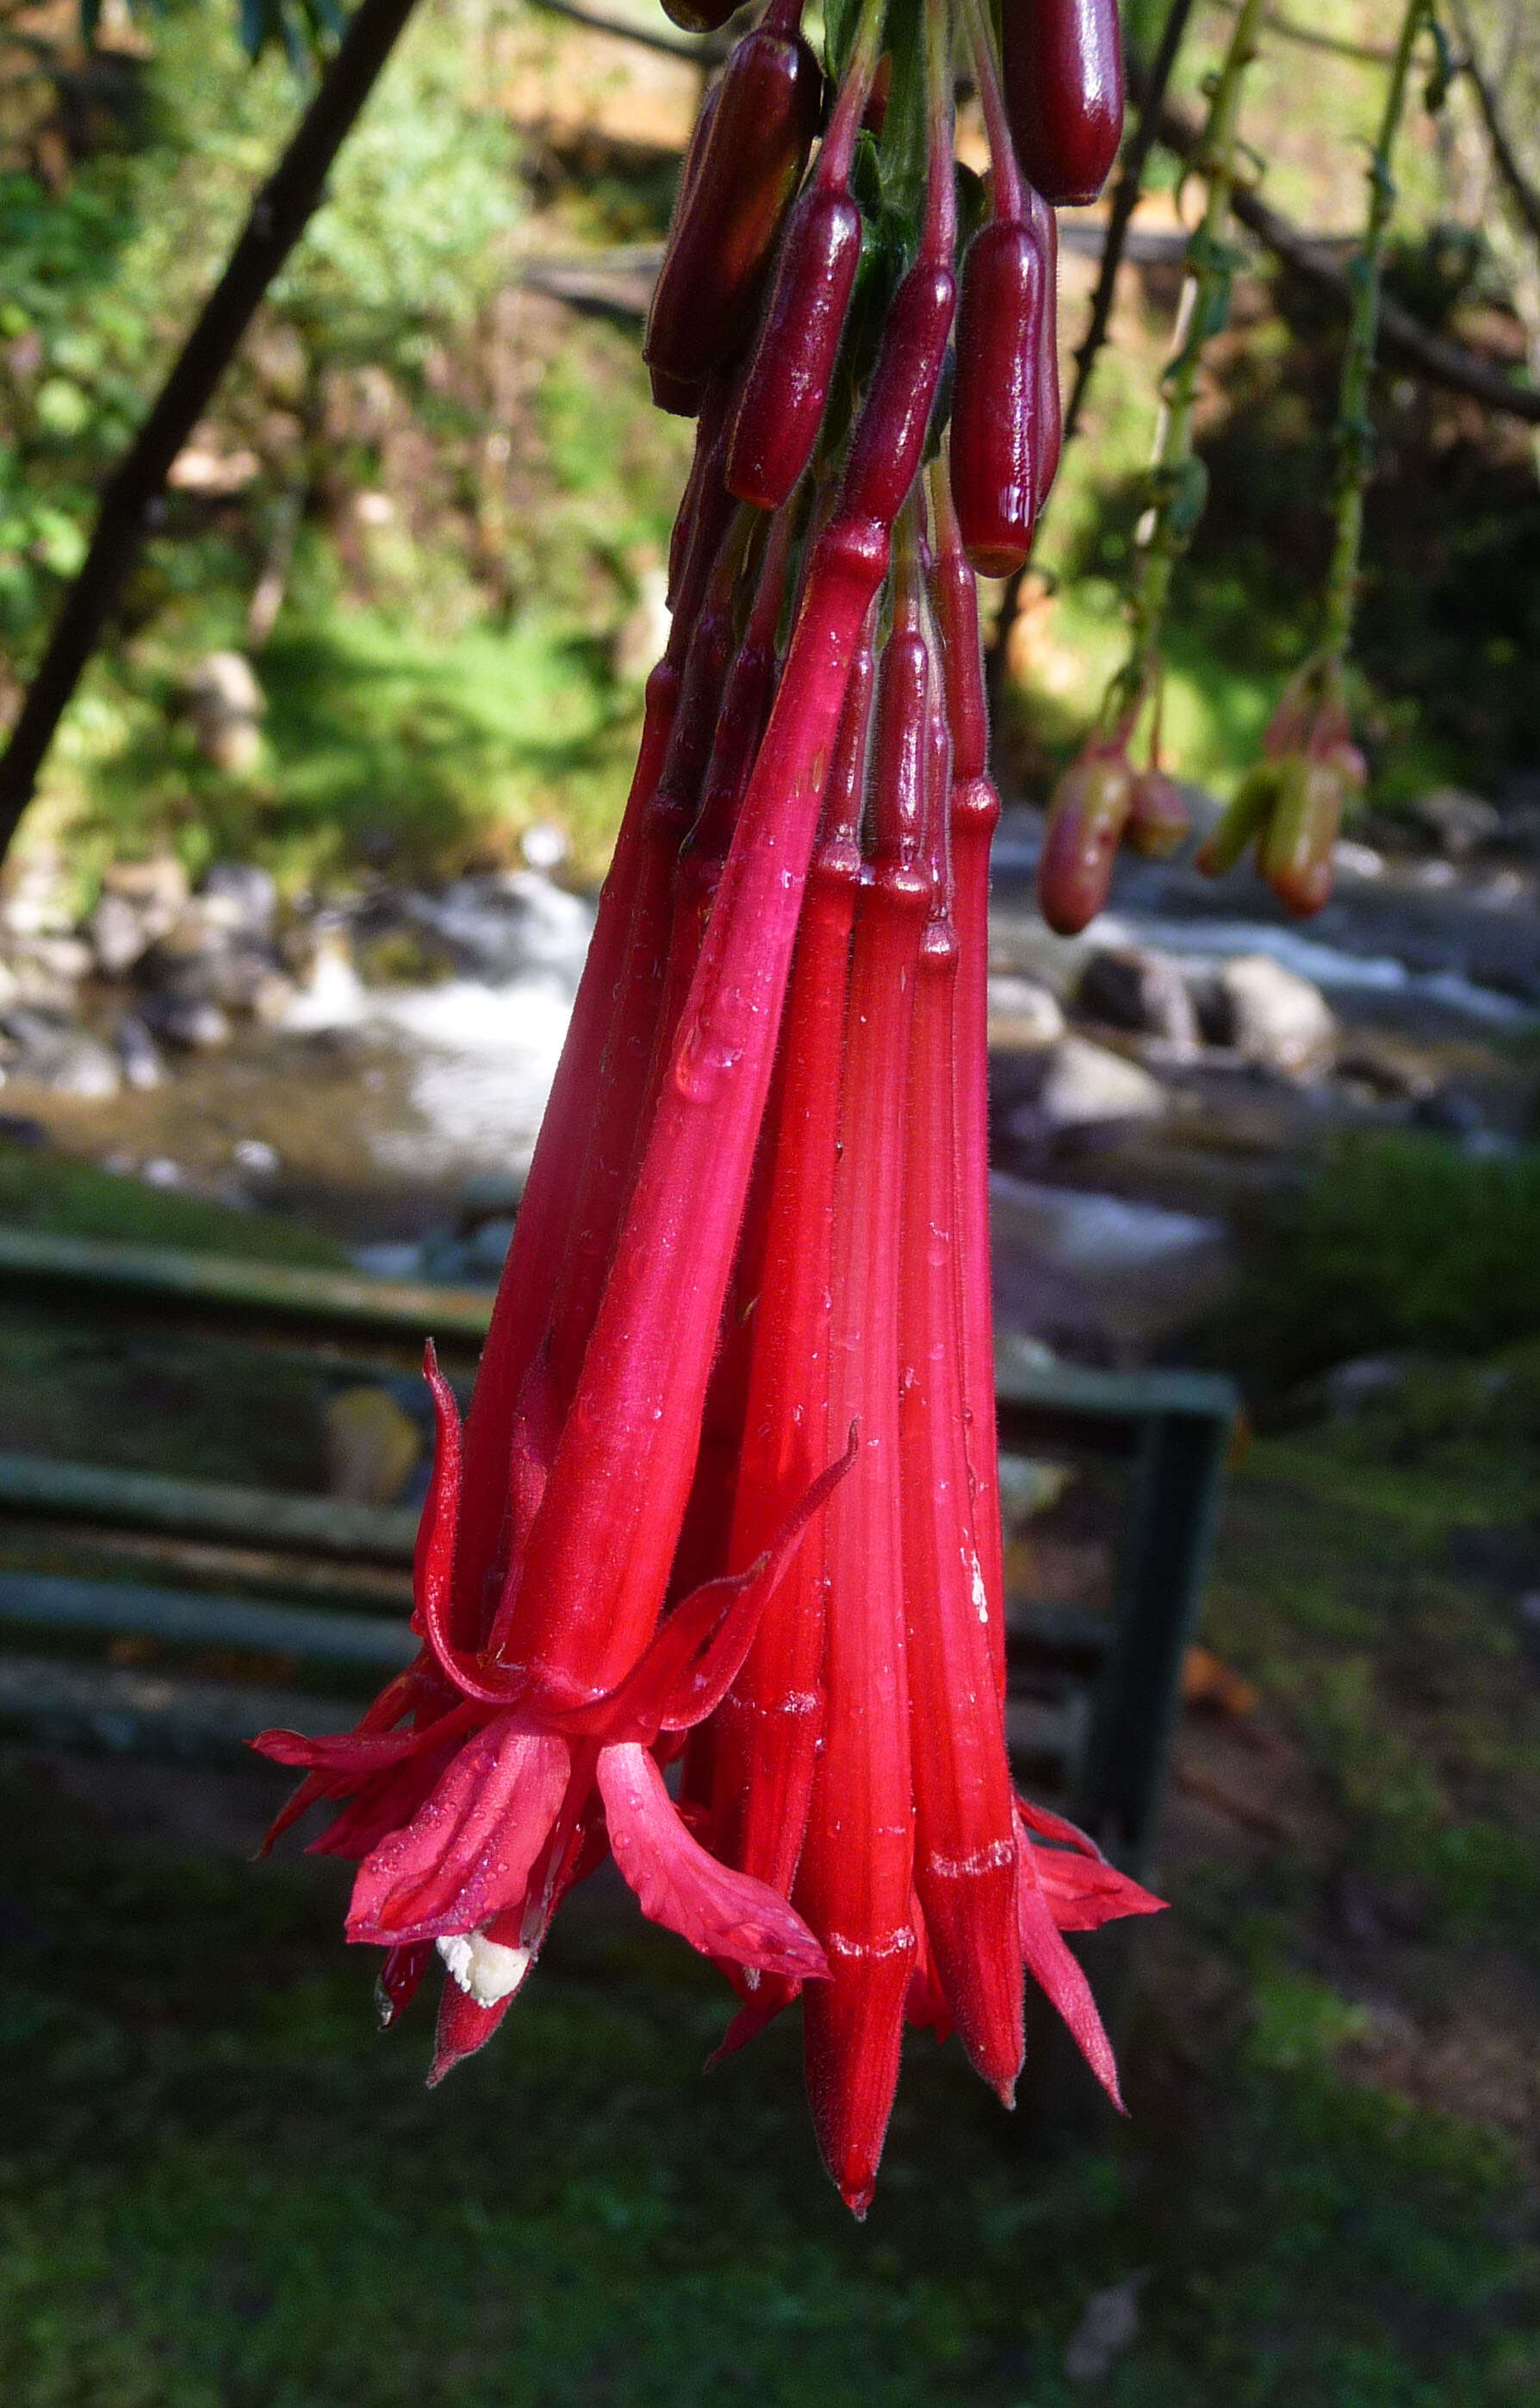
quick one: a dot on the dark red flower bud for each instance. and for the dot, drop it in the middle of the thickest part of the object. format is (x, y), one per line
(884, 453)
(799, 341)
(1063, 63)
(994, 402)
(1158, 818)
(729, 209)
(1085, 822)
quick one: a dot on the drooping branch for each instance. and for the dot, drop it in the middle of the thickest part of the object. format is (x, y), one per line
(1448, 365)
(131, 500)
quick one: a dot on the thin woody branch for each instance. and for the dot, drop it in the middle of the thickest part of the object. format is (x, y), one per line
(132, 498)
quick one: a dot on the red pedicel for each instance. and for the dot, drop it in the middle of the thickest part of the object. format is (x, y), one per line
(728, 215)
(995, 397)
(1063, 65)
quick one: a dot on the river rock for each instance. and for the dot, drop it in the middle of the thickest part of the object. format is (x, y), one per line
(1023, 1015)
(117, 935)
(52, 1053)
(508, 924)
(242, 897)
(1458, 823)
(1268, 1014)
(225, 705)
(195, 1023)
(1087, 1083)
(1099, 1278)
(157, 888)
(1135, 987)
(138, 1053)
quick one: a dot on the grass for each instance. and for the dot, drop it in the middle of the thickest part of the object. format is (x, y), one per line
(1391, 1242)
(218, 2189)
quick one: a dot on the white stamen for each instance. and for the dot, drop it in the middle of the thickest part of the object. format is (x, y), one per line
(485, 1968)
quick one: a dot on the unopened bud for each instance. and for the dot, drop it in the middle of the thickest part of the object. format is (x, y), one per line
(797, 344)
(1086, 817)
(1301, 829)
(889, 439)
(730, 207)
(1244, 816)
(995, 397)
(1158, 818)
(1063, 69)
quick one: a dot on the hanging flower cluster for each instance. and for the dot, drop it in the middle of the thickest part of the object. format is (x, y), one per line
(712, 1582)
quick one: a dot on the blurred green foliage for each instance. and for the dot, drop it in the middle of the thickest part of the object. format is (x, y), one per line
(1390, 1242)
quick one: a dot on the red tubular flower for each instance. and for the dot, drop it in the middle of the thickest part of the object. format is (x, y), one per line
(976, 815)
(727, 1506)
(771, 1718)
(858, 1864)
(965, 1855)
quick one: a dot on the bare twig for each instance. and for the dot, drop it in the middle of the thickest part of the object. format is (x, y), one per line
(131, 500)
(710, 50)
(1448, 365)
(1525, 197)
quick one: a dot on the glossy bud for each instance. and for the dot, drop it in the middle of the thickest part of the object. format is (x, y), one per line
(730, 208)
(1244, 816)
(1157, 816)
(995, 396)
(798, 342)
(889, 439)
(1087, 818)
(1063, 71)
(1302, 831)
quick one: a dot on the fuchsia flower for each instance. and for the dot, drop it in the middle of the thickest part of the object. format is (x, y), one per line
(726, 1506)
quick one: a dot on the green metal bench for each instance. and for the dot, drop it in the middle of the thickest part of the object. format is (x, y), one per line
(291, 1586)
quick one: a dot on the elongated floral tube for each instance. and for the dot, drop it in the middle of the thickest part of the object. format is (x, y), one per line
(599, 1551)
(1063, 62)
(855, 1884)
(771, 1718)
(976, 815)
(626, 1074)
(965, 1819)
(539, 1231)
(730, 213)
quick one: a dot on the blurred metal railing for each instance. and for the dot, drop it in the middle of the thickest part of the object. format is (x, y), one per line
(239, 1607)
